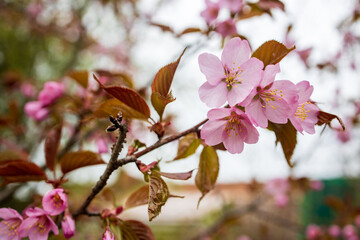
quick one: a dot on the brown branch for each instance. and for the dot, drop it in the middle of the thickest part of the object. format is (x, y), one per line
(114, 163)
(111, 167)
(169, 139)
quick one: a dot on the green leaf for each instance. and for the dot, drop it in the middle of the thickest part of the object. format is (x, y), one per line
(114, 106)
(20, 171)
(75, 160)
(177, 176)
(159, 193)
(271, 52)
(208, 171)
(51, 146)
(132, 229)
(187, 146)
(286, 135)
(138, 198)
(80, 77)
(161, 85)
(127, 96)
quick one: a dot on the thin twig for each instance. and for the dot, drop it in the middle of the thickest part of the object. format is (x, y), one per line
(169, 139)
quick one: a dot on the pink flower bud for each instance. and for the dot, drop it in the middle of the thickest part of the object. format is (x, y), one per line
(55, 201)
(68, 225)
(36, 110)
(108, 235)
(119, 210)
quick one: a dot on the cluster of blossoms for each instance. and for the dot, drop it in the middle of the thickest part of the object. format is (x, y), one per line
(253, 95)
(211, 12)
(36, 223)
(348, 232)
(38, 110)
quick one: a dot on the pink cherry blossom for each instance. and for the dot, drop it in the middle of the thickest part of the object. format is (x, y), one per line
(230, 126)
(313, 231)
(108, 235)
(357, 220)
(211, 12)
(55, 201)
(68, 225)
(226, 28)
(233, 5)
(277, 186)
(52, 91)
(10, 224)
(243, 237)
(306, 115)
(281, 200)
(272, 100)
(231, 79)
(27, 89)
(37, 225)
(36, 110)
(349, 231)
(334, 231)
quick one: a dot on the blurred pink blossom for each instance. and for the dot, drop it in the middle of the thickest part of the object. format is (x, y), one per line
(317, 185)
(334, 231)
(28, 89)
(68, 225)
(243, 237)
(108, 235)
(281, 200)
(36, 110)
(55, 201)
(33, 9)
(226, 28)
(211, 12)
(233, 5)
(102, 145)
(10, 223)
(277, 186)
(37, 225)
(51, 91)
(349, 231)
(313, 231)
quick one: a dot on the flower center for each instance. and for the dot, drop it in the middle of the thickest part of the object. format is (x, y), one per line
(266, 97)
(233, 124)
(11, 227)
(301, 112)
(40, 224)
(57, 201)
(232, 76)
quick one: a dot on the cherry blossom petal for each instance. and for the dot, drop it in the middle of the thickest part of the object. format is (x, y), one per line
(278, 111)
(312, 118)
(252, 71)
(238, 93)
(269, 75)
(211, 66)
(305, 91)
(218, 113)
(236, 52)
(7, 213)
(255, 111)
(233, 142)
(212, 131)
(213, 96)
(289, 92)
(252, 135)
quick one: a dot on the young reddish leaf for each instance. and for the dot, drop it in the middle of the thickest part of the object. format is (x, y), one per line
(271, 52)
(187, 146)
(252, 10)
(114, 106)
(116, 78)
(51, 146)
(139, 197)
(161, 85)
(177, 176)
(20, 171)
(159, 102)
(75, 160)
(286, 135)
(163, 27)
(132, 229)
(189, 30)
(159, 193)
(208, 171)
(127, 96)
(80, 77)
(269, 4)
(326, 118)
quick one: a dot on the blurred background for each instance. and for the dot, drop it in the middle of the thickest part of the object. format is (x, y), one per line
(128, 41)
